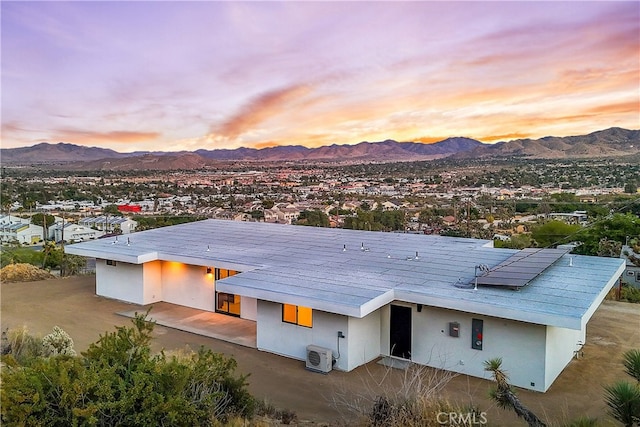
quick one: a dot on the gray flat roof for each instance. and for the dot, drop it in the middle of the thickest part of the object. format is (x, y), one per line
(354, 273)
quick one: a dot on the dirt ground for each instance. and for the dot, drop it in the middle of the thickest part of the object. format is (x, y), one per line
(71, 303)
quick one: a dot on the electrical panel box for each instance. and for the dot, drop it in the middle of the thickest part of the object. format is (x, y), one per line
(476, 334)
(454, 329)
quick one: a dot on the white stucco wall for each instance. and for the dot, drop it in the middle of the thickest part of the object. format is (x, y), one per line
(520, 345)
(187, 285)
(122, 281)
(385, 315)
(248, 308)
(290, 340)
(362, 338)
(155, 281)
(561, 345)
(152, 278)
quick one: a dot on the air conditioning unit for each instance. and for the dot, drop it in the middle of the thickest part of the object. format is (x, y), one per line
(319, 359)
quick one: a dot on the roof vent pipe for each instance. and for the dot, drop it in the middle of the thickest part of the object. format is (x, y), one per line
(482, 267)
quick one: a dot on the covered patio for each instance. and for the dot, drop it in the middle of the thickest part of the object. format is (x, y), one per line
(205, 323)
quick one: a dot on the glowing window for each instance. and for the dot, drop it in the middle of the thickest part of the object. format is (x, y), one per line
(228, 303)
(222, 273)
(297, 315)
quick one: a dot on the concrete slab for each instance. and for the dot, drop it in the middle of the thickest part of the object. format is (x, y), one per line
(394, 362)
(205, 323)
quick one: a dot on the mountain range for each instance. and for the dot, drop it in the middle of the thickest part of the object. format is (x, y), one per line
(613, 142)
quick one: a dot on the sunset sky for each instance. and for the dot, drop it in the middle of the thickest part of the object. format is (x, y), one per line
(167, 76)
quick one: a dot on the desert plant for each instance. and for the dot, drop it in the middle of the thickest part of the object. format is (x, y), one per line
(20, 344)
(631, 362)
(582, 422)
(58, 342)
(408, 397)
(623, 397)
(630, 294)
(504, 395)
(118, 381)
(623, 400)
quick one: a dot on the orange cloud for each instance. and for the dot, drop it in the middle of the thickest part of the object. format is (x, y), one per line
(123, 137)
(265, 144)
(506, 136)
(622, 107)
(262, 108)
(429, 139)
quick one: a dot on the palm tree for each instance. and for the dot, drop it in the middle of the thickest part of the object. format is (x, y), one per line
(505, 397)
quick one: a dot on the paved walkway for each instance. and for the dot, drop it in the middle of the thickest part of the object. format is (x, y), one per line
(205, 323)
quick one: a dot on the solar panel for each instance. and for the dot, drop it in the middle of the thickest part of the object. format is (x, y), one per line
(521, 268)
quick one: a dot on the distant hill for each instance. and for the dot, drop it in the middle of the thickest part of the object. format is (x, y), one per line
(76, 156)
(52, 153)
(611, 142)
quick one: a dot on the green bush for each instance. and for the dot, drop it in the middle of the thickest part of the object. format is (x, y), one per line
(19, 255)
(118, 381)
(630, 294)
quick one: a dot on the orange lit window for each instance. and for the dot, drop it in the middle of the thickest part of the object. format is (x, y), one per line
(222, 273)
(297, 315)
(228, 303)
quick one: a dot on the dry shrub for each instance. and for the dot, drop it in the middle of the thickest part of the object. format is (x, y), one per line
(23, 273)
(267, 412)
(20, 344)
(400, 398)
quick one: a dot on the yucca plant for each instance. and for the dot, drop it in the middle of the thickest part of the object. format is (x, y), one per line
(582, 422)
(623, 400)
(504, 395)
(631, 362)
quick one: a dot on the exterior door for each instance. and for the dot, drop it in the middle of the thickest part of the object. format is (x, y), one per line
(400, 331)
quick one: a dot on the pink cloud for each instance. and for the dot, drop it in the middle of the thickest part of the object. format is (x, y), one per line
(262, 108)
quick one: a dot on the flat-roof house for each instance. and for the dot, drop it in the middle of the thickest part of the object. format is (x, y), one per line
(73, 232)
(353, 296)
(19, 230)
(109, 224)
(631, 274)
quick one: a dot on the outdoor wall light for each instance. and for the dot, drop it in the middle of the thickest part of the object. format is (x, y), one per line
(208, 270)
